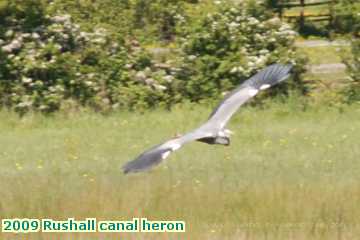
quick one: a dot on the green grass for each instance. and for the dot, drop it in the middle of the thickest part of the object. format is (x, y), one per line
(288, 174)
(324, 54)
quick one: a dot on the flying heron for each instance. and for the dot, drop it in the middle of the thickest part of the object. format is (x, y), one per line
(213, 131)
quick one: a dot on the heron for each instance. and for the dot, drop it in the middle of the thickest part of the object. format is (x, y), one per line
(214, 130)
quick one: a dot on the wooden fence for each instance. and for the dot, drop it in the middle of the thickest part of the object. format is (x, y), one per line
(283, 4)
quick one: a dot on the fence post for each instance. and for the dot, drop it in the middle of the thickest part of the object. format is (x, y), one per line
(331, 10)
(302, 15)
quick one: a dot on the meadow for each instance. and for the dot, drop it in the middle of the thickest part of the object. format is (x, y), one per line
(289, 173)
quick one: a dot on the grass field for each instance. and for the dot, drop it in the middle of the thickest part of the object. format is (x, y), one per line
(326, 54)
(288, 174)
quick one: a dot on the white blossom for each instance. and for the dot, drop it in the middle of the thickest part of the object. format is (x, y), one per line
(7, 48)
(88, 83)
(61, 18)
(159, 87)
(26, 79)
(9, 33)
(264, 51)
(252, 21)
(168, 78)
(191, 57)
(234, 25)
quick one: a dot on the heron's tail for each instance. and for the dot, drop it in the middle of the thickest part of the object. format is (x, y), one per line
(270, 76)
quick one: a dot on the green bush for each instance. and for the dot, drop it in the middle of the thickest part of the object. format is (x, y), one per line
(352, 91)
(116, 16)
(347, 16)
(232, 44)
(29, 13)
(162, 15)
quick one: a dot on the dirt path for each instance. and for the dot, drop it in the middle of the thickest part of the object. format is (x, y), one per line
(327, 68)
(321, 43)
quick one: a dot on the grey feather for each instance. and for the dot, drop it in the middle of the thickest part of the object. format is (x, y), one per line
(146, 160)
(210, 131)
(271, 75)
(157, 154)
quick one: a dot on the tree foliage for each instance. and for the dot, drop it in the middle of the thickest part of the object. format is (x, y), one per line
(230, 45)
(55, 54)
(347, 17)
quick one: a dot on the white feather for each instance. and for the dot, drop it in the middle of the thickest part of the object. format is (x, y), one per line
(265, 86)
(165, 154)
(252, 92)
(175, 147)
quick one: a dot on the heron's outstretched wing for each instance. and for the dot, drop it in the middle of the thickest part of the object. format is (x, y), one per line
(155, 155)
(262, 80)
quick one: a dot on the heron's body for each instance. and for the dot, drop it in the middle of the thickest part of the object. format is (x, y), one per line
(213, 131)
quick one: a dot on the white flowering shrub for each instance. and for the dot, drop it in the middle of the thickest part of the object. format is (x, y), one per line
(51, 62)
(232, 44)
(56, 62)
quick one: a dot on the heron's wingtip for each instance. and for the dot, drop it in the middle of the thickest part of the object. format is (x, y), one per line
(129, 168)
(125, 170)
